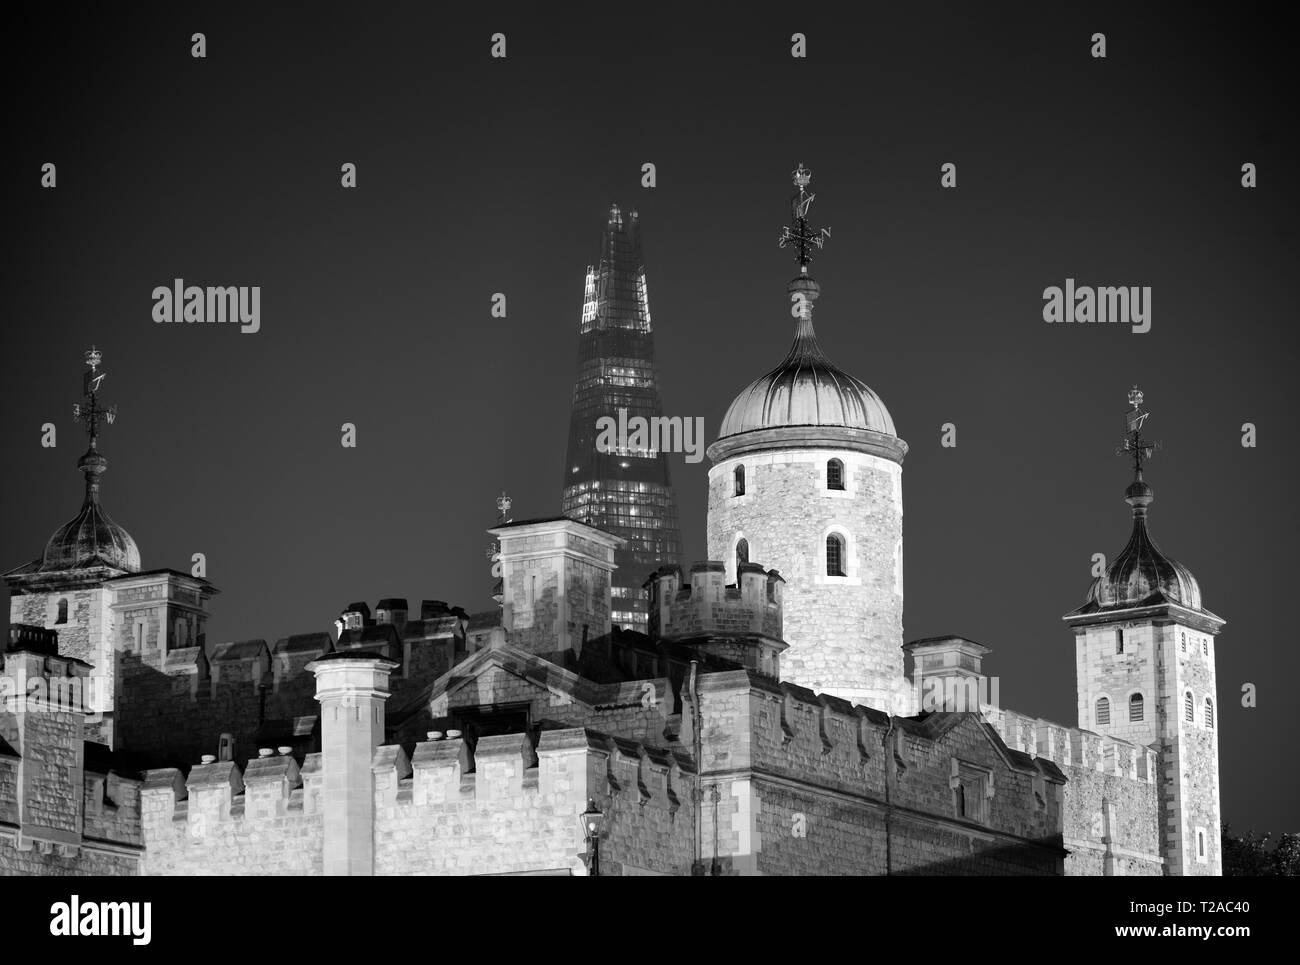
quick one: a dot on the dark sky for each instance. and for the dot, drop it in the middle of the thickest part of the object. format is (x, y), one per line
(479, 176)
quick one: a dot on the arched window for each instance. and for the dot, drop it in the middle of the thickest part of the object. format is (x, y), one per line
(834, 474)
(742, 554)
(1119, 640)
(740, 481)
(1200, 844)
(1209, 713)
(834, 555)
(63, 611)
(1189, 711)
(1103, 710)
(1135, 708)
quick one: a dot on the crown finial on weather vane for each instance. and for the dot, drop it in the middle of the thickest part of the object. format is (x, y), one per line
(1140, 449)
(803, 238)
(92, 413)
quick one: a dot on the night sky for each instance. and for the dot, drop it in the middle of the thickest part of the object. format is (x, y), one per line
(478, 176)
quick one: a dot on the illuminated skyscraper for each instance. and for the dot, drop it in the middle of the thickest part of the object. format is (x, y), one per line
(625, 491)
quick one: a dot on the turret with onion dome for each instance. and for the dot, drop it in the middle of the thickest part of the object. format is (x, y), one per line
(91, 538)
(1141, 575)
(90, 543)
(1145, 662)
(806, 478)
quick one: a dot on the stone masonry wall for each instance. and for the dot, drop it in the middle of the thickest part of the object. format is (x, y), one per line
(1190, 753)
(1103, 672)
(86, 635)
(1110, 816)
(638, 710)
(519, 813)
(53, 861)
(56, 818)
(801, 786)
(180, 714)
(266, 821)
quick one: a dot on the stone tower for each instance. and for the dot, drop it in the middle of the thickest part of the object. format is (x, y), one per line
(807, 477)
(1144, 647)
(88, 587)
(67, 589)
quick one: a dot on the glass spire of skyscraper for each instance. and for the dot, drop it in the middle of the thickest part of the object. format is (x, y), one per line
(625, 491)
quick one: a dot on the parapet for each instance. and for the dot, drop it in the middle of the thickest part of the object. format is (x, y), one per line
(706, 604)
(245, 662)
(741, 623)
(380, 638)
(1074, 747)
(218, 793)
(504, 768)
(24, 636)
(291, 654)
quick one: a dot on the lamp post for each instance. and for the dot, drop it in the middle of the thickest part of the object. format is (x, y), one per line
(593, 825)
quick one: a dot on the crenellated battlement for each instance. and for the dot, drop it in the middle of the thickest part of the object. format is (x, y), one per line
(1073, 747)
(740, 623)
(213, 820)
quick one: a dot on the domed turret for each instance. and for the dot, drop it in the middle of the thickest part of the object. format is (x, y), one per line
(91, 538)
(1141, 573)
(807, 479)
(806, 389)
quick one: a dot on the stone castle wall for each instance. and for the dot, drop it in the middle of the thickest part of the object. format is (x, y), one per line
(58, 814)
(811, 784)
(441, 812)
(1110, 812)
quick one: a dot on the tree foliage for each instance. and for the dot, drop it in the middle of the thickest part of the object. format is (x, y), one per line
(1251, 856)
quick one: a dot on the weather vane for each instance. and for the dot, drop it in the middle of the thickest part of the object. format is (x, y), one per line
(1140, 449)
(800, 234)
(92, 413)
(494, 549)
